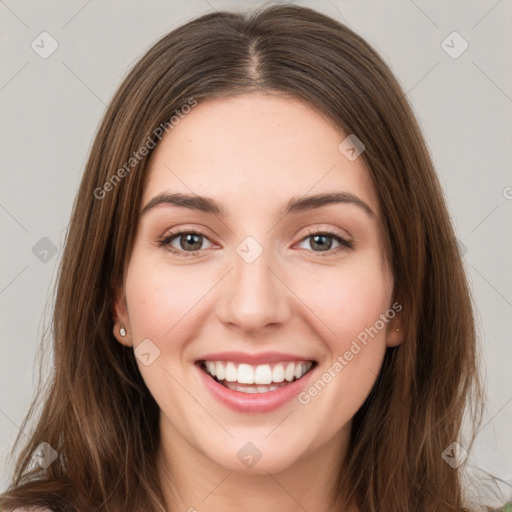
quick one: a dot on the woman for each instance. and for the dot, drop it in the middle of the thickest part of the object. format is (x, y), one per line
(314, 347)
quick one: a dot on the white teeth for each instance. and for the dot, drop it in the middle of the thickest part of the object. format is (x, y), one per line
(289, 373)
(262, 375)
(245, 374)
(220, 371)
(247, 390)
(252, 389)
(230, 372)
(278, 373)
(210, 366)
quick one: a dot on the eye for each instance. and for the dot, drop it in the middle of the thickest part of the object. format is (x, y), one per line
(188, 241)
(191, 242)
(322, 241)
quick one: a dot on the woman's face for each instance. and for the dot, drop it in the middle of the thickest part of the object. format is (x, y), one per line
(263, 284)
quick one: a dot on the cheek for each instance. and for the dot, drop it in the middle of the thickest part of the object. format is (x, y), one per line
(346, 300)
(160, 303)
(351, 304)
(159, 297)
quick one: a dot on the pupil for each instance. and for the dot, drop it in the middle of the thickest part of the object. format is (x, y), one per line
(323, 247)
(190, 239)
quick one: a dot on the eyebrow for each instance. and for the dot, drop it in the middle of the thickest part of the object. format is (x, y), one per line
(296, 204)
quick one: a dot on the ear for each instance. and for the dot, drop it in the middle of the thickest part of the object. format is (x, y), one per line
(395, 331)
(122, 320)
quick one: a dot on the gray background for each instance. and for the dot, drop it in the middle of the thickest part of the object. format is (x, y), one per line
(50, 109)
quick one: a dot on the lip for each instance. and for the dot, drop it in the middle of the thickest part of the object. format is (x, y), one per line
(254, 402)
(254, 359)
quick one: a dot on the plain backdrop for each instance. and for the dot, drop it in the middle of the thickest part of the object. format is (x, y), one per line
(51, 106)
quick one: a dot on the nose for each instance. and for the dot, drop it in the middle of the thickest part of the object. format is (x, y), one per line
(254, 295)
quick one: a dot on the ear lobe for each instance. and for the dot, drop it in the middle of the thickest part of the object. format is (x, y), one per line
(395, 332)
(122, 329)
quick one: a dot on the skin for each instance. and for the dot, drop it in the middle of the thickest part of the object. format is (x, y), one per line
(253, 153)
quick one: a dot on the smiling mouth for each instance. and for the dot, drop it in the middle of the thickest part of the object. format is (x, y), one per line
(262, 378)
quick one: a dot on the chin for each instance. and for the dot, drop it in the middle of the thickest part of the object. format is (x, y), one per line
(251, 460)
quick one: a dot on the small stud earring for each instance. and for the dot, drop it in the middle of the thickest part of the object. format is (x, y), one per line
(398, 329)
(122, 331)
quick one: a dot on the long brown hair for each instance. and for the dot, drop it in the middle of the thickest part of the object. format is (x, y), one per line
(96, 410)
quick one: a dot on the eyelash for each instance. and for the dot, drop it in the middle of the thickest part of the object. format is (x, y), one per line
(344, 244)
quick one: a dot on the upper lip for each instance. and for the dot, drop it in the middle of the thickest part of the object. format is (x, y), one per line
(254, 359)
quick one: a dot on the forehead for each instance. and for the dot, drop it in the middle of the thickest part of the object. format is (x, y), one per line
(263, 148)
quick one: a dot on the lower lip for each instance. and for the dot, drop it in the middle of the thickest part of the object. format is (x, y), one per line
(254, 402)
